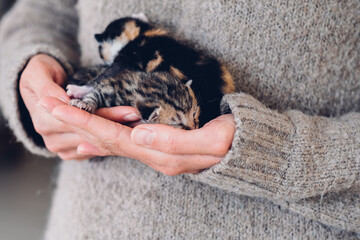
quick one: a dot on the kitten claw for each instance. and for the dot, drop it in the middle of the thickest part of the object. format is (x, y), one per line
(83, 105)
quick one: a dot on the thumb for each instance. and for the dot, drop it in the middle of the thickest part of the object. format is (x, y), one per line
(44, 76)
(214, 138)
(52, 89)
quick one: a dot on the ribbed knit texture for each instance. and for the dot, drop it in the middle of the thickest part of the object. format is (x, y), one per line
(293, 169)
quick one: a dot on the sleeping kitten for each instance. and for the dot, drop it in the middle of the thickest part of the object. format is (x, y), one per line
(159, 97)
(132, 43)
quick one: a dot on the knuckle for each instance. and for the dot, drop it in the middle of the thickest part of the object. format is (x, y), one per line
(26, 74)
(119, 132)
(171, 145)
(51, 146)
(172, 168)
(87, 118)
(221, 147)
(171, 171)
(223, 138)
(41, 129)
(66, 156)
(106, 149)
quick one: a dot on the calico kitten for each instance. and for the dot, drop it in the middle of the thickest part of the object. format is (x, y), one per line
(159, 97)
(132, 43)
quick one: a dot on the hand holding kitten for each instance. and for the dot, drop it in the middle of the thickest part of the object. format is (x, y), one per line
(44, 76)
(171, 151)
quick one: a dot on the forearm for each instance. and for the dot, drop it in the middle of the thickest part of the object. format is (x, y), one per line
(30, 28)
(287, 156)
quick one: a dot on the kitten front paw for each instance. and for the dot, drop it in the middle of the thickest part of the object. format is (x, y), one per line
(89, 107)
(75, 91)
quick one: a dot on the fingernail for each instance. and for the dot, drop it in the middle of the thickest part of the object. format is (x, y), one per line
(131, 117)
(64, 99)
(81, 150)
(144, 137)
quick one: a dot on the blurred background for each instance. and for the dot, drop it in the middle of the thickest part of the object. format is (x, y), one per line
(26, 183)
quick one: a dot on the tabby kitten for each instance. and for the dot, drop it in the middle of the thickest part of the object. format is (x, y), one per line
(159, 97)
(132, 43)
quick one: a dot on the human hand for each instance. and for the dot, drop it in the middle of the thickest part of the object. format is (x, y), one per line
(166, 149)
(44, 76)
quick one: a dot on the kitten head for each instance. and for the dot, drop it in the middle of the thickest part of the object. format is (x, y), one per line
(118, 34)
(180, 113)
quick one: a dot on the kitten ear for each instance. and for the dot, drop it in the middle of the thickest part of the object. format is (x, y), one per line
(99, 38)
(188, 83)
(148, 112)
(141, 16)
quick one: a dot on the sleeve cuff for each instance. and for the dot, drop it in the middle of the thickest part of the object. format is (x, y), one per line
(11, 100)
(257, 162)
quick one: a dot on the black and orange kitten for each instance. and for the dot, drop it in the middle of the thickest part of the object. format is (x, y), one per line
(132, 43)
(158, 96)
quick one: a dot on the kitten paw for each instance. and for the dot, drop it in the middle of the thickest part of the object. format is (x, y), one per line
(141, 16)
(75, 91)
(83, 105)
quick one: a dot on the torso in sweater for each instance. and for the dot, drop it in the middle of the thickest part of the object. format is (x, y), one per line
(288, 57)
(288, 54)
(273, 54)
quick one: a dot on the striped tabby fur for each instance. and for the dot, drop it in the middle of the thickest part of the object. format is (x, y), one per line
(158, 96)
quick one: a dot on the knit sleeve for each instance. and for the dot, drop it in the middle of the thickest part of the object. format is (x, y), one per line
(30, 28)
(287, 156)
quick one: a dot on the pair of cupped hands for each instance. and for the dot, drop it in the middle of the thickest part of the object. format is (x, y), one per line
(74, 134)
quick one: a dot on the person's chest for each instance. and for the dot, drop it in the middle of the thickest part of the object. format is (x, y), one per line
(288, 59)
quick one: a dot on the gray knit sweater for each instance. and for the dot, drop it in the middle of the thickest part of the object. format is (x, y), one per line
(293, 171)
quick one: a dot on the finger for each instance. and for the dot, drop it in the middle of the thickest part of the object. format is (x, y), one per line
(120, 114)
(213, 139)
(163, 162)
(43, 76)
(89, 149)
(50, 66)
(44, 123)
(134, 124)
(52, 89)
(97, 126)
(179, 164)
(73, 155)
(117, 114)
(42, 85)
(106, 142)
(114, 139)
(49, 103)
(62, 142)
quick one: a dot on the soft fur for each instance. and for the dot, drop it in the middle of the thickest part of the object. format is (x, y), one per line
(132, 43)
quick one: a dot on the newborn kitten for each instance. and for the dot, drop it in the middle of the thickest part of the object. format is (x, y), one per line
(159, 97)
(132, 43)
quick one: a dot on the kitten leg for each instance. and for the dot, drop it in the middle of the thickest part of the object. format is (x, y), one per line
(79, 92)
(86, 97)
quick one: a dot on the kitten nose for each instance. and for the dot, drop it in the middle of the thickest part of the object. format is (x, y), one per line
(187, 128)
